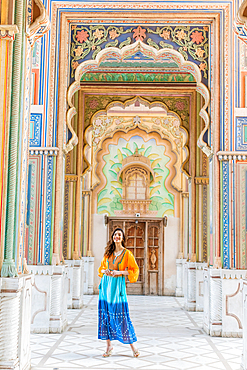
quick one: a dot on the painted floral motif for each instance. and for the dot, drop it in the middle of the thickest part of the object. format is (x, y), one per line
(96, 140)
(98, 122)
(79, 51)
(165, 34)
(190, 41)
(197, 37)
(202, 66)
(113, 34)
(93, 103)
(98, 34)
(180, 105)
(193, 42)
(181, 35)
(139, 33)
(157, 121)
(82, 36)
(200, 52)
(75, 65)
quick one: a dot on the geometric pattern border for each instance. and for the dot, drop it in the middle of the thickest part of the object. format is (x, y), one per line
(241, 133)
(35, 129)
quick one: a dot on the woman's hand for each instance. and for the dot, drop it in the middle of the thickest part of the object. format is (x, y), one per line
(115, 273)
(108, 272)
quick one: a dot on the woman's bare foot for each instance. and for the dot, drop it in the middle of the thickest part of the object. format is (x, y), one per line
(135, 351)
(109, 349)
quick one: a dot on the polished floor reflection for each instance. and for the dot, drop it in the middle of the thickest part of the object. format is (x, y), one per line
(168, 338)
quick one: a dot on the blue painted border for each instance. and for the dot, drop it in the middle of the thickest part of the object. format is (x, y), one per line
(239, 136)
(36, 118)
(48, 212)
(225, 201)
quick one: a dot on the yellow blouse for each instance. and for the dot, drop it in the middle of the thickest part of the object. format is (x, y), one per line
(126, 260)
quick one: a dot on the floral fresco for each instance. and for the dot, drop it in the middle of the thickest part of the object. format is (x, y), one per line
(190, 41)
(109, 197)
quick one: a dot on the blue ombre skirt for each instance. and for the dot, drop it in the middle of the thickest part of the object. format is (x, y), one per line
(114, 319)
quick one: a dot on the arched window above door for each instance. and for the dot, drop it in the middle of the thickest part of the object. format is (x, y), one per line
(136, 175)
(136, 183)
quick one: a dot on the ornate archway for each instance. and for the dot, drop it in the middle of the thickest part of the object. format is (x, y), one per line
(156, 56)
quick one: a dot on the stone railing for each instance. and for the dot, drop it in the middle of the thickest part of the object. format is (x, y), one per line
(76, 278)
(15, 321)
(49, 305)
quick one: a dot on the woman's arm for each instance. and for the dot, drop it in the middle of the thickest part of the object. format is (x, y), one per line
(106, 272)
(116, 273)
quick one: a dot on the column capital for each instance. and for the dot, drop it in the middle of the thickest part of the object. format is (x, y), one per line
(8, 269)
(8, 31)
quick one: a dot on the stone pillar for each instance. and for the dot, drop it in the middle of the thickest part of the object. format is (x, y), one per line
(199, 285)
(232, 304)
(15, 317)
(50, 292)
(244, 355)
(185, 277)
(190, 298)
(212, 302)
(223, 305)
(76, 283)
(206, 303)
(180, 277)
(88, 274)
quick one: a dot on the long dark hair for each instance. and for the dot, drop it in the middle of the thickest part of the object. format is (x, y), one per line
(110, 248)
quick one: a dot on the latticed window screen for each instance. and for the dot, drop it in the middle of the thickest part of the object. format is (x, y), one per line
(136, 187)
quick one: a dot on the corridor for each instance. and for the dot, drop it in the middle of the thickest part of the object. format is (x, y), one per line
(168, 338)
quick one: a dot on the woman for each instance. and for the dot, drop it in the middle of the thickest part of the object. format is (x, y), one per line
(114, 319)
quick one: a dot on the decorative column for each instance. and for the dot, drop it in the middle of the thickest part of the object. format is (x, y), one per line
(79, 157)
(8, 267)
(64, 148)
(7, 36)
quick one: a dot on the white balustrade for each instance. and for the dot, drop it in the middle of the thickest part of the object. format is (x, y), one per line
(50, 291)
(15, 317)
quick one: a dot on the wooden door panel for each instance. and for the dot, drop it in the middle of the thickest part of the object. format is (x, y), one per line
(153, 263)
(135, 238)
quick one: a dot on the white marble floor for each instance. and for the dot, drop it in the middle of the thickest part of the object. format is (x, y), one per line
(168, 338)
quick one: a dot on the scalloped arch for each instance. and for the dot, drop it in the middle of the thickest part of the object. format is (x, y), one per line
(89, 155)
(157, 56)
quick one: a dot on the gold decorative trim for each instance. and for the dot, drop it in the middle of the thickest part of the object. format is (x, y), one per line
(71, 178)
(185, 195)
(201, 180)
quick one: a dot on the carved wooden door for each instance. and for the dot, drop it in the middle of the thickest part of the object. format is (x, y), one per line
(154, 252)
(135, 242)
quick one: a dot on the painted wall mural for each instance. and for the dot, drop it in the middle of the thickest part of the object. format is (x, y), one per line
(109, 198)
(190, 41)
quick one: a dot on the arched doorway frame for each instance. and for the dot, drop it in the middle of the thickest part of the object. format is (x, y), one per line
(123, 53)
